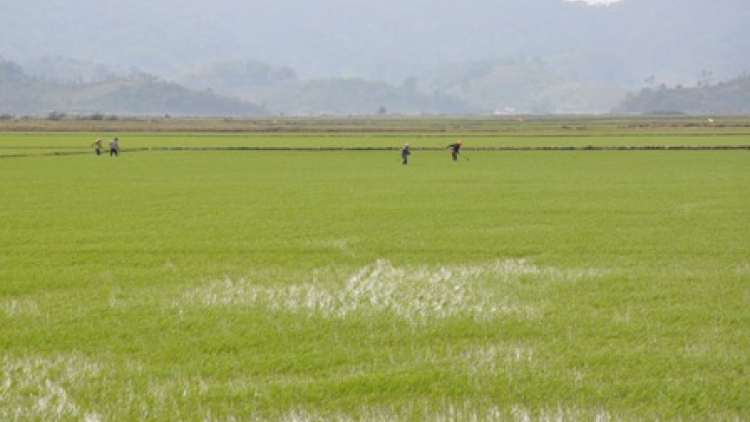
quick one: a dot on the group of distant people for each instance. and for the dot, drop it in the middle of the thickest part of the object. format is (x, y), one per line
(454, 147)
(114, 147)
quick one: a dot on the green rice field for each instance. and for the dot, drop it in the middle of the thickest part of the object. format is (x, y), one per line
(229, 275)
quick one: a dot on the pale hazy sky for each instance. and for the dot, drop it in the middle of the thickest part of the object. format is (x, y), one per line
(597, 1)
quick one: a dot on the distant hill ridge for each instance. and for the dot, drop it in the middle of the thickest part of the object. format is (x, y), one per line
(431, 56)
(138, 94)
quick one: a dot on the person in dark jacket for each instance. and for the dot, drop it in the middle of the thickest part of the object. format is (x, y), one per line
(405, 153)
(455, 148)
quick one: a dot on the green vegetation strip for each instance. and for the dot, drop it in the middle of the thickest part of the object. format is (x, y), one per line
(345, 286)
(78, 151)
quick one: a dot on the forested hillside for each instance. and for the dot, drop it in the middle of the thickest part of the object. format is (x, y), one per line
(726, 97)
(138, 94)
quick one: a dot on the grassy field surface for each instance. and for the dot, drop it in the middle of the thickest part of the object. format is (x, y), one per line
(345, 286)
(43, 137)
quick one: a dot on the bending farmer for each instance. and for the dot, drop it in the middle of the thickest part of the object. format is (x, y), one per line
(455, 148)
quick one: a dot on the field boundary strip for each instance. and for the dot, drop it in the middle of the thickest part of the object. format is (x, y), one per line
(416, 148)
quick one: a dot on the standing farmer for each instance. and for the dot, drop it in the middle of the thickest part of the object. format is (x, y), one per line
(97, 146)
(405, 153)
(114, 147)
(455, 148)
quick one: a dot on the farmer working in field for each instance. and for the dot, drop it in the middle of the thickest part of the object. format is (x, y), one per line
(97, 146)
(114, 147)
(405, 153)
(455, 147)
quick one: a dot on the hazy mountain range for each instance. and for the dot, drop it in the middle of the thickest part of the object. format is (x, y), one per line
(349, 56)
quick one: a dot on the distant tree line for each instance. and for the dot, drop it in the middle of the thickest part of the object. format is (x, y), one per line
(732, 96)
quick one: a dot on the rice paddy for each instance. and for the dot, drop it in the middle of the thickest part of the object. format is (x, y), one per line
(212, 284)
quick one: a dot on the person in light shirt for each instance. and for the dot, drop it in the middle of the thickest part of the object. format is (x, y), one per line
(114, 147)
